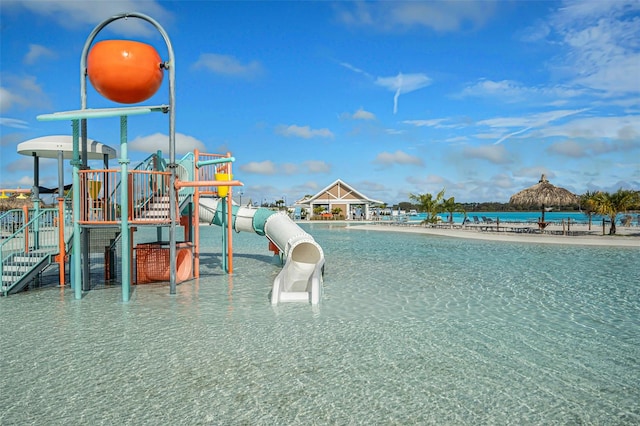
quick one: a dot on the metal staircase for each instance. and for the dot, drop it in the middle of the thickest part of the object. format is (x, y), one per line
(20, 269)
(27, 252)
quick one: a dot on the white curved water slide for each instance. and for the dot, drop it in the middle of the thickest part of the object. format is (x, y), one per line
(301, 277)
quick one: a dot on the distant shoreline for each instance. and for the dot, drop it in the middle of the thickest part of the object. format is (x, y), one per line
(625, 237)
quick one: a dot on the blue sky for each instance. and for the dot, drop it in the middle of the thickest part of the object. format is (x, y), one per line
(479, 98)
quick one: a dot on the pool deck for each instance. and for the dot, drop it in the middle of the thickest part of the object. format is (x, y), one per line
(577, 234)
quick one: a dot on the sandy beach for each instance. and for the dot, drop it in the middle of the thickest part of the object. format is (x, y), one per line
(579, 234)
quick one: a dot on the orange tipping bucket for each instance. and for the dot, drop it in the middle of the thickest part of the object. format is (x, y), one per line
(223, 190)
(153, 264)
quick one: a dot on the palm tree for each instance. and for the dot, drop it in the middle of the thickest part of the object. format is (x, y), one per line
(587, 202)
(450, 206)
(429, 205)
(610, 205)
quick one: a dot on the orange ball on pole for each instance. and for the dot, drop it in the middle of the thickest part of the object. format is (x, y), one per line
(124, 71)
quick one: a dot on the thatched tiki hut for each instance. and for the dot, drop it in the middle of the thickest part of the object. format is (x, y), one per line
(543, 194)
(14, 202)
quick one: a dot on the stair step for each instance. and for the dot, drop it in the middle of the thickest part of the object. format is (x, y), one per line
(17, 268)
(28, 259)
(155, 213)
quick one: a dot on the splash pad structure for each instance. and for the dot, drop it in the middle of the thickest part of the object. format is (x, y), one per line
(163, 193)
(125, 72)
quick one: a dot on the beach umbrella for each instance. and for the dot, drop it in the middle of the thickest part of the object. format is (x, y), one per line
(543, 194)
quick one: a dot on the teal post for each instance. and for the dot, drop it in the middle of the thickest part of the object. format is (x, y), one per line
(225, 260)
(35, 197)
(158, 167)
(77, 261)
(124, 211)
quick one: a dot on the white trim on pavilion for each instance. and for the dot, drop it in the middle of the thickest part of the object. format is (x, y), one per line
(353, 204)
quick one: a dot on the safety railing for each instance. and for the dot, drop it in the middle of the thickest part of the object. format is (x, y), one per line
(185, 172)
(34, 240)
(211, 172)
(149, 192)
(10, 221)
(94, 206)
(148, 189)
(153, 162)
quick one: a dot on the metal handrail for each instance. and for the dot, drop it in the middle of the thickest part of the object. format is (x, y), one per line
(152, 162)
(10, 220)
(39, 236)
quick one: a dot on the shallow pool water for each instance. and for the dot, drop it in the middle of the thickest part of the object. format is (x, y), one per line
(411, 329)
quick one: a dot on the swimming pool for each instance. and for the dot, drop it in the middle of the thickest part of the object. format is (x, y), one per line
(412, 329)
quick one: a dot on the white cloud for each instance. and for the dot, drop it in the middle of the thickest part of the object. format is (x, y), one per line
(398, 157)
(36, 52)
(270, 168)
(612, 128)
(495, 154)
(361, 114)
(512, 91)
(83, 14)
(399, 84)
(22, 164)
(532, 120)
(600, 39)
(457, 139)
(440, 16)
(288, 169)
(316, 166)
(12, 122)
(228, 65)
(591, 148)
(529, 122)
(568, 148)
(425, 123)
(260, 167)
(393, 131)
(403, 83)
(21, 92)
(355, 69)
(159, 141)
(303, 131)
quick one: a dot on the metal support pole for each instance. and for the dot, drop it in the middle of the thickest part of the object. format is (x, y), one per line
(61, 174)
(196, 202)
(35, 197)
(86, 275)
(124, 211)
(170, 66)
(76, 282)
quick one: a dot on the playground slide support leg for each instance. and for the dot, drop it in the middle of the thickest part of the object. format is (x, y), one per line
(229, 231)
(224, 235)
